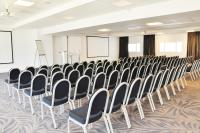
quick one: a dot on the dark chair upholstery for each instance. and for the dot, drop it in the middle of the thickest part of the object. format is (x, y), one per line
(133, 74)
(75, 65)
(80, 68)
(99, 82)
(43, 71)
(89, 72)
(73, 77)
(13, 76)
(113, 80)
(68, 69)
(125, 75)
(25, 78)
(108, 71)
(31, 69)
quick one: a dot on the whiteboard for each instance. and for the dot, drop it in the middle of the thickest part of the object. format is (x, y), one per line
(40, 48)
(6, 49)
(97, 46)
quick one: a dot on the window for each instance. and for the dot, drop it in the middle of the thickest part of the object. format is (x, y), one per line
(171, 46)
(134, 47)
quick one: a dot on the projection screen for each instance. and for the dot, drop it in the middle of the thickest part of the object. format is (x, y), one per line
(97, 46)
(6, 47)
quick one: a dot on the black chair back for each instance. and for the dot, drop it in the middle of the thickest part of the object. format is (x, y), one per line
(99, 81)
(43, 71)
(147, 84)
(133, 74)
(73, 77)
(99, 70)
(31, 69)
(118, 67)
(125, 75)
(54, 70)
(64, 66)
(75, 65)
(13, 75)
(39, 84)
(56, 77)
(80, 68)
(113, 79)
(157, 81)
(68, 69)
(85, 64)
(89, 72)
(61, 92)
(108, 71)
(134, 90)
(25, 78)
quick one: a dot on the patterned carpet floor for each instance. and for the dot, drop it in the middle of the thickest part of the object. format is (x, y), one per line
(179, 115)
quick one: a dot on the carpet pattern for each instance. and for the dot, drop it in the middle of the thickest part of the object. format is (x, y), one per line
(181, 114)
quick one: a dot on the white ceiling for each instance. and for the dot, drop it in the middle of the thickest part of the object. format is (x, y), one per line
(97, 7)
(181, 22)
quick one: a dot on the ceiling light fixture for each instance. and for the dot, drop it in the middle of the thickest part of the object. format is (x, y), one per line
(154, 23)
(190, 31)
(121, 3)
(104, 30)
(24, 3)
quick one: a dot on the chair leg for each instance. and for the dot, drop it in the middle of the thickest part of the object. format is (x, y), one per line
(126, 116)
(106, 123)
(24, 101)
(84, 129)
(53, 119)
(110, 124)
(151, 97)
(182, 84)
(42, 109)
(159, 97)
(167, 92)
(150, 102)
(138, 103)
(68, 125)
(18, 96)
(9, 93)
(173, 90)
(61, 109)
(191, 76)
(70, 105)
(73, 105)
(178, 86)
(185, 81)
(13, 94)
(30, 100)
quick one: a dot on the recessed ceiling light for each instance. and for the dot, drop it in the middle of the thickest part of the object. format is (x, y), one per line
(190, 31)
(159, 33)
(24, 3)
(154, 23)
(69, 17)
(104, 30)
(121, 3)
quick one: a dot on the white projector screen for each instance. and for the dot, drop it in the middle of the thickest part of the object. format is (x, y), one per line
(97, 46)
(6, 48)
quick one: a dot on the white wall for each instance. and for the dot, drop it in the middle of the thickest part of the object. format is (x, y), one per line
(77, 46)
(174, 37)
(24, 49)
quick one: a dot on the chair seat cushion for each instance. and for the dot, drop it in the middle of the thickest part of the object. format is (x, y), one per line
(34, 93)
(80, 115)
(11, 81)
(48, 100)
(22, 86)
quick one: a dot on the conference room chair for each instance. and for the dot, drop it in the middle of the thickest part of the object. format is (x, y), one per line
(133, 74)
(154, 68)
(118, 67)
(60, 96)
(156, 85)
(68, 69)
(113, 80)
(99, 64)
(12, 78)
(73, 77)
(24, 82)
(126, 65)
(54, 70)
(38, 88)
(64, 66)
(117, 102)
(43, 66)
(104, 61)
(141, 71)
(54, 66)
(99, 82)
(91, 65)
(106, 66)
(164, 83)
(146, 86)
(134, 95)
(91, 112)
(31, 69)
(176, 76)
(81, 90)
(181, 77)
(55, 78)
(98, 61)
(99, 70)
(75, 65)
(114, 64)
(172, 73)
(108, 71)
(43, 71)
(85, 64)
(89, 73)
(92, 62)
(124, 76)
(131, 65)
(80, 68)
(148, 70)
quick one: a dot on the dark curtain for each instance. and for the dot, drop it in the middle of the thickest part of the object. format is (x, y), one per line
(193, 45)
(123, 47)
(149, 45)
